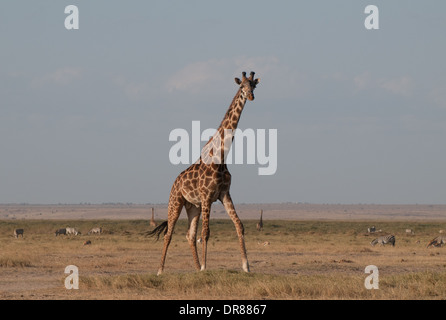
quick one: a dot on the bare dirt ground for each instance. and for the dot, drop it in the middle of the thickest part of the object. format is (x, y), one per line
(305, 252)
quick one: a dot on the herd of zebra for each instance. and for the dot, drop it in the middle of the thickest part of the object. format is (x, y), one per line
(62, 231)
(382, 240)
(390, 239)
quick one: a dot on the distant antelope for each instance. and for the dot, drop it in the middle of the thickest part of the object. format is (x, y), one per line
(18, 232)
(410, 232)
(384, 240)
(260, 223)
(437, 242)
(152, 221)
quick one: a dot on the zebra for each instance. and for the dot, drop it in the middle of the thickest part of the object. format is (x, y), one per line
(384, 240)
(61, 231)
(72, 231)
(97, 230)
(437, 242)
(371, 229)
(18, 232)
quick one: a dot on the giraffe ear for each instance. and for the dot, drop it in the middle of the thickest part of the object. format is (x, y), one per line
(237, 80)
(256, 81)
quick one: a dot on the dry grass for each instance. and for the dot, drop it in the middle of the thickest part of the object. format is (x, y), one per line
(304, 260)
(240, 286)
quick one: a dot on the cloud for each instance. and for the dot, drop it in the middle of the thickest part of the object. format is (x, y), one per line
(362, 81)
(61, 76)
(402, 86)
(278, 79)
(136, 91)
(438, 96)
(196, 76)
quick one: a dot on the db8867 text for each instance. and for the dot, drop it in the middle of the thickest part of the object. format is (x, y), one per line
(245, 309)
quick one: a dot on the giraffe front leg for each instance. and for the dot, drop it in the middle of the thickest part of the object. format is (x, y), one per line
(229, 206)
(205, 211)
(193, 214)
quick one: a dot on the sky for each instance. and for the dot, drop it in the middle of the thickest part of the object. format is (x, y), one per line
(86, 114)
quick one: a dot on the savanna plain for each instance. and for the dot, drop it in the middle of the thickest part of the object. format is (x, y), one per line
(304, 252)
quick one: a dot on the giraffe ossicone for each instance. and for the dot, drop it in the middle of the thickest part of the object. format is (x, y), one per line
(205, 182)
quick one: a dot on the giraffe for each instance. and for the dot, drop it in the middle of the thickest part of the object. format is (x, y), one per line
(206, 181)
(260, 223)
(152, 221)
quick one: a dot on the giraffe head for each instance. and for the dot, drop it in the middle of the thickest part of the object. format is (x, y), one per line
(247, 85)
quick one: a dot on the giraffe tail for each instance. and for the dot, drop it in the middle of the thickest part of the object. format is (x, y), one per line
(157, 231)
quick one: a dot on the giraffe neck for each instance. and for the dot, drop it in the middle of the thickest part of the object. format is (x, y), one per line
(221, 141)
(232, 116)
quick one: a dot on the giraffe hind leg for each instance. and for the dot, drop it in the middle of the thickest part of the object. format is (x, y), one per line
(174, 210)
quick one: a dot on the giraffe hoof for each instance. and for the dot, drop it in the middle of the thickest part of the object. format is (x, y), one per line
(160, 272)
